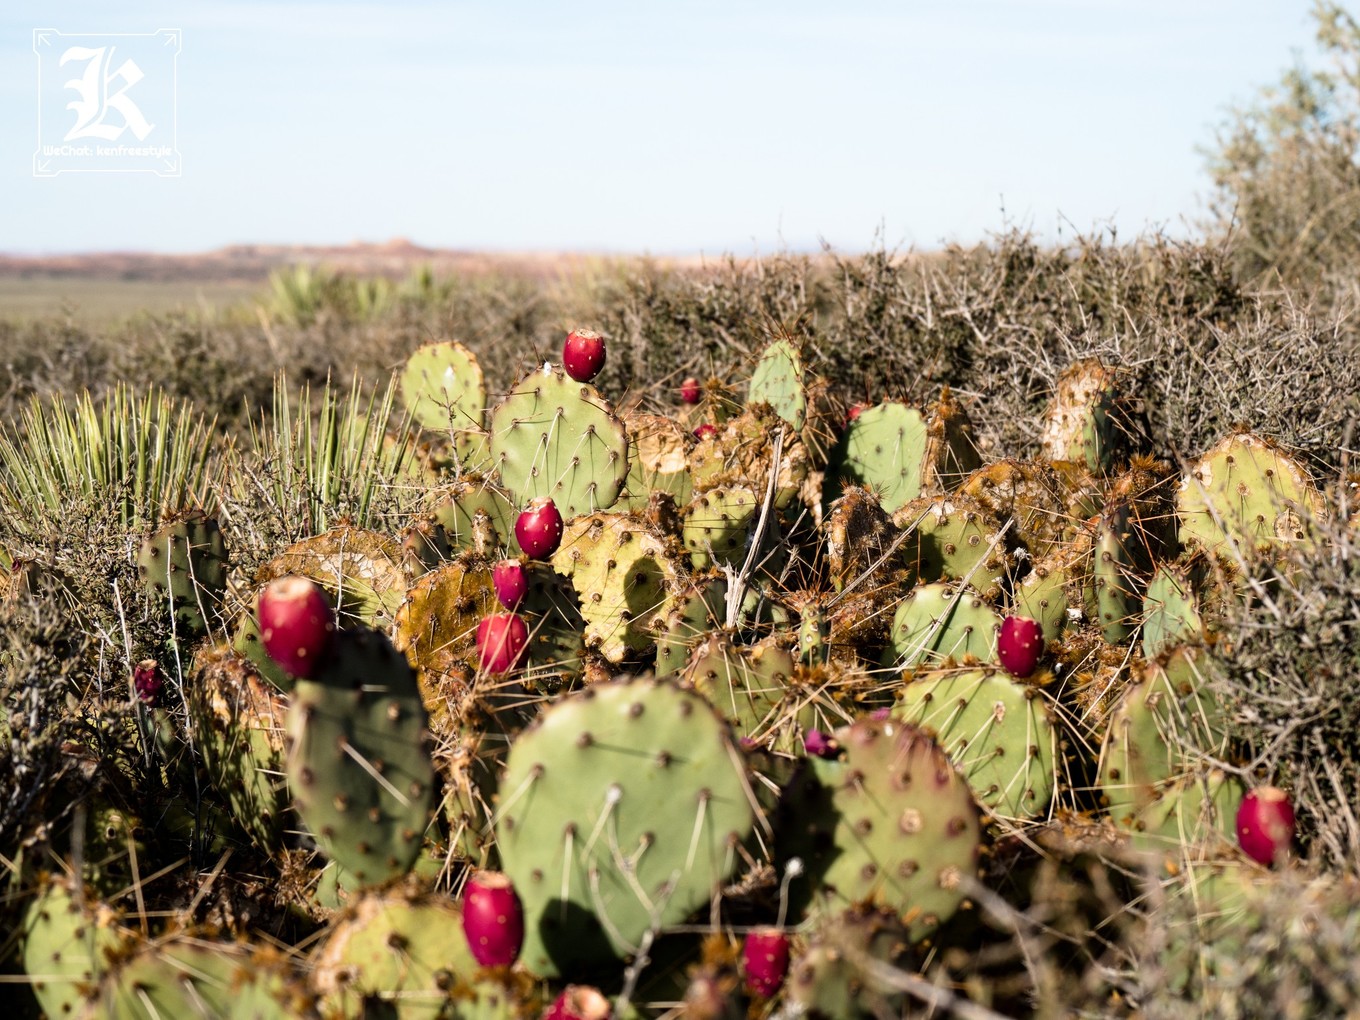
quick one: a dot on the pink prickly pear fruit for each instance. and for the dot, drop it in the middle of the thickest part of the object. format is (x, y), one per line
(538, 530)
(1265, 824)
(511, 582)
(578, 1002)
(583, 354)
(493, 919)
(296, 624)
(689, 390)
(765, 957)
(705, 430)
(855, 411)
(501, 641)
(1020, 645)
(819, 745)
(146, 681)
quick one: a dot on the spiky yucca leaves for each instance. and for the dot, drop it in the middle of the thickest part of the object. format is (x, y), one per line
(142, 457)
(325, 459)
(1288, 682)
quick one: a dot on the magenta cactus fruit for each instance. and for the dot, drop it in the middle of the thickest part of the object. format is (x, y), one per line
(501, 641)
(854, 412)
(705, 430)
(583, 354)
(689, 390)
(819, 745)
(538, 530)
(1265, 824)
(511, 582)
(765, 958)
(493, 919)
(146, 681)
(1020, 645)
(296, 624)
(578, 1002)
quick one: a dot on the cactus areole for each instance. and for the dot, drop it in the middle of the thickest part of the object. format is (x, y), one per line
(296, 624)
(583, 354)
(501, 642)
(765, 958)
(539, 528)
(1265, 824)
(705, 430)
(511, 583)
(1020, 645)
(493, 919)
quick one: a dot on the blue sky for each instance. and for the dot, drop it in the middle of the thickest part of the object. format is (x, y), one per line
(670, 128)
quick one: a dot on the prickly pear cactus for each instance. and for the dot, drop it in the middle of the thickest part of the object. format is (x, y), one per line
(401, 949)
(239, 723)
(67, 945)
(742, 454)
(358, 765)
(1173, 605)
(187, 977)
(884, 449)
(997, 732)
(894, 824)
(625, 576)
(861, 539)
(778, 381)
(1089, 420)
(745, 684)
(935, 622)
(594, 861)
(835, 976)
(443, 387)
(1029, 492)
(658, 459)
(717, 526)
(554, 437)
(700, 609)
(1156, 763)
(957, 540)
(1246, 494)
(183, 565)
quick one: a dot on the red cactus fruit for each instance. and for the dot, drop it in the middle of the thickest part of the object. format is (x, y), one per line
(583, 354)
(689, 390)
(296, 624)
(578, 1002)
(765, 957)
(501, 641)
(705, 430)
(855, 411)
(539, 528)
(146, 681)
(511, 582)
(1020, 645)
(1265, 824)
(493, 919)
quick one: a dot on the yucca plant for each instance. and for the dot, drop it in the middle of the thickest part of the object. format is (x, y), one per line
(143, 458)
(325, 457)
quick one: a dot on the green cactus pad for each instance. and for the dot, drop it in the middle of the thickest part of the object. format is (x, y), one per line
(998, 733)
(554, 437)
(625, 577)
(658, 459)
(67, 946)
(594, 860)
(183, 565)
(553, 615)
(934, 622)
(746, 684)
(1167, 729)
(742, 454)
(717, 526)
(778, 381)
(702, 609)
(1249, 493)
(1029, 492)
(361, 570)
(455, 509)
(894, 824)
(185, 977)
(1042, 596)
(1171, 608)
(884, 449)
(443, 388)
(358, 766)
(405, 951)
(239, 720)
(835, 976)
(957, 540)
(1087, 420)
(1116, 578)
